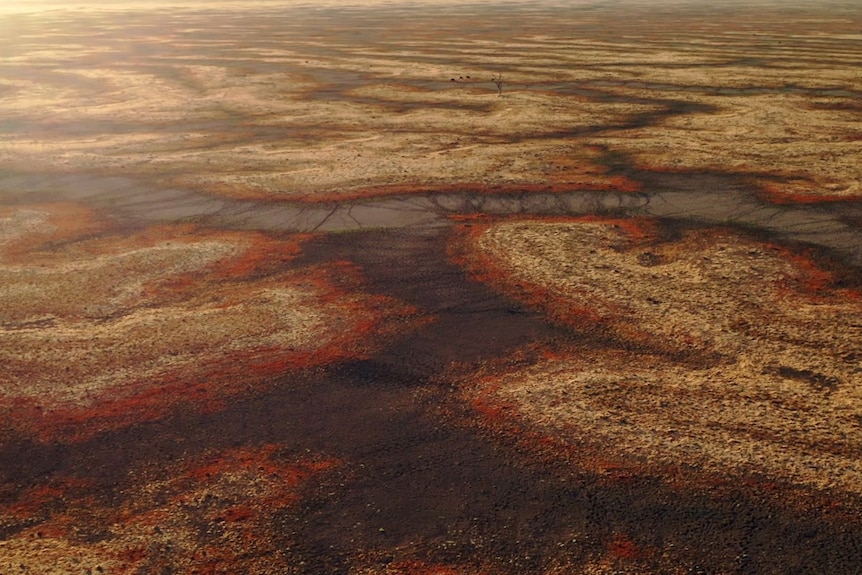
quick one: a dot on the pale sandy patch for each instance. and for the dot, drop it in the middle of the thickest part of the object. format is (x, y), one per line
(733, 419)
(778, 392)
(811, 142)
(90, 319)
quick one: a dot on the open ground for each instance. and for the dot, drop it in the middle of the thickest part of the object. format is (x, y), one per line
(430, 288)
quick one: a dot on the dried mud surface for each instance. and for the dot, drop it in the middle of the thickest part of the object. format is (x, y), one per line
(289, 288)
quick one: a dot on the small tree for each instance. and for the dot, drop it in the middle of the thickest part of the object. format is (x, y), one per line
(498, 81)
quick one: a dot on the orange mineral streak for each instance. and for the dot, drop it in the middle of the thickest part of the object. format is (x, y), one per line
(157, 526)
(561, 307)
(624, 548)
(735, 359)
(168, 318)
(800, 192)
(25, 231)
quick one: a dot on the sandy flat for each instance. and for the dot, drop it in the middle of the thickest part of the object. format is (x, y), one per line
(314, 106)
(767, 377)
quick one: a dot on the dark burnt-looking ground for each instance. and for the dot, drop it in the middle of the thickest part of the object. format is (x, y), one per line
(267, 285)
(415, 480)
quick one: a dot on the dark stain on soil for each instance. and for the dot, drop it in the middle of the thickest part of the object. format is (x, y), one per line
(418, 485)
(816, 380)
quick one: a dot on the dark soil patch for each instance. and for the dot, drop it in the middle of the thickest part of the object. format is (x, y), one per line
(416, 485)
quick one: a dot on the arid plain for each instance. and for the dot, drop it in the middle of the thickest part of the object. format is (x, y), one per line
(430, 288)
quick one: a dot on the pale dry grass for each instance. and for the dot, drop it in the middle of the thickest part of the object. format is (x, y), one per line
(781, 394)
(288, 110)
(790, 145)
(727, 420)
(77, 361)
(116, 314)
(56, 556)
(710, 291)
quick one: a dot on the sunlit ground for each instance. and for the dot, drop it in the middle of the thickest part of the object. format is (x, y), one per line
(430, 288)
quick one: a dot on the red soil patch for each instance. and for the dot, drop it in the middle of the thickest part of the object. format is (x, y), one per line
(815, 280)
(559, 307)
(620, 546)
(61, 222)
(352, 323)
(784, 194)
(266, 255)
(366, 321)
(258, 460)
(156, 527)
(41, 499)
(236, 513)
